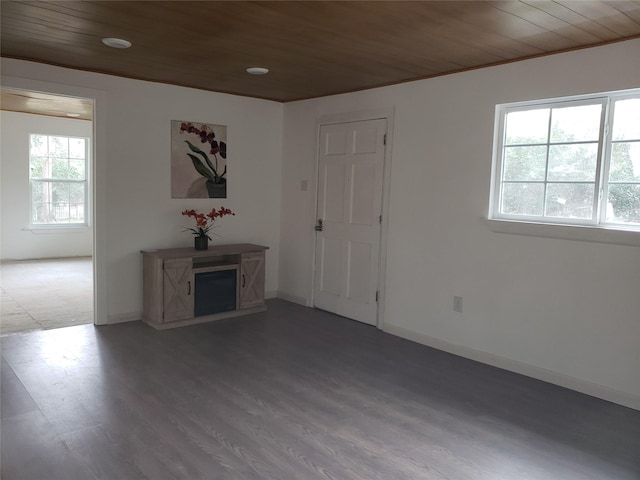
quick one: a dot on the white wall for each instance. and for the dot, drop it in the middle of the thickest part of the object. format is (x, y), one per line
(18, 242)
(561, 310)
(135, 208)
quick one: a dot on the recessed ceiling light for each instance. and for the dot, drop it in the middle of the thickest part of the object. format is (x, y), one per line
(257, 70)
(74, 115)
(116, 42)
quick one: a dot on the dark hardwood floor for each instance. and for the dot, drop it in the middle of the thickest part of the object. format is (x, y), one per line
(293, 393)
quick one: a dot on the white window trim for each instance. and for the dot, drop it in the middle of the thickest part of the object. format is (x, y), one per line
(596, 230)
(56, 228)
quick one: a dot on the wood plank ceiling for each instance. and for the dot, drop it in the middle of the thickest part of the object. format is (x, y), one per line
(312, 48)
(40, 103)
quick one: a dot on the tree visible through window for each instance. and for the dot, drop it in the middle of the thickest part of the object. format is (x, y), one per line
(58, 177)
(572, 162)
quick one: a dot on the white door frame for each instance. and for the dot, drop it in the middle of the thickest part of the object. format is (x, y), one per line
(375, 114)
(98, 173)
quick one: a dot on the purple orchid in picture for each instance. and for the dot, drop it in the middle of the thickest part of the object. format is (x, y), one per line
(206, 167)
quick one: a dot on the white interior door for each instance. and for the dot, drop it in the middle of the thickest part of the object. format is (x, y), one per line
(350, 176)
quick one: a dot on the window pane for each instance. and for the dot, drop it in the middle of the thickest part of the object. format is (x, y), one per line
(573, 162)
(525, 163)
(57, 203)
(76, 192)
(41, 202)
(576, 124)
(60, 192)
(77, 148)
(626, 119)
(59, 147)
(38, 145)
(60, 205)
(625, 162)
(36, 190)
(77, 169)
(37, 167)
(59, 168)
(623, 205)
(530, 126)
(76, 202)
(76, 213)
(41, 213)
(522, 199)
(570, 200)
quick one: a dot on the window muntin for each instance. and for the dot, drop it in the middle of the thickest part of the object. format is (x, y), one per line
(558, 163)
(58, 177)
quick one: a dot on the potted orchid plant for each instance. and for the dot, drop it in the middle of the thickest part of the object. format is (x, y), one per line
(204, 223)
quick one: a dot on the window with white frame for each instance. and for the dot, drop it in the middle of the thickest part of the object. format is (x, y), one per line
(573, 161)
(58, 176)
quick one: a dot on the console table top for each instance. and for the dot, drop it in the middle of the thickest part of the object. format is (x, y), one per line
(212, 251)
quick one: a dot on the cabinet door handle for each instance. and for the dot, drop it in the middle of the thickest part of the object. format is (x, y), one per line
(244, 280)
(189, 285)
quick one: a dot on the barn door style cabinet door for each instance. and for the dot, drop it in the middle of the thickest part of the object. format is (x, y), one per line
(178, 289)
(252, 279)
(184, 286)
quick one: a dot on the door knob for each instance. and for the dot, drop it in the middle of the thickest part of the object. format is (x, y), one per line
(319, 225)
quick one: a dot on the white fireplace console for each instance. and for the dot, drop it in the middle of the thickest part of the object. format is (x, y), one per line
(184, 286)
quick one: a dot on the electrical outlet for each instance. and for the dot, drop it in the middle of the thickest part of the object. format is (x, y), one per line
(457, 304)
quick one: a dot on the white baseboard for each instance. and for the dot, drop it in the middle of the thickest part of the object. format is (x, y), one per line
(292, 298)
(124, 317)
(271, 294)
(584, 386)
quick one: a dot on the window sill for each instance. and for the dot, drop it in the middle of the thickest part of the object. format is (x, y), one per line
(57, 230)
(565, 232)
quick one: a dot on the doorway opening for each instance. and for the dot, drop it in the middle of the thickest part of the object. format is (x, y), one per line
(47, 246)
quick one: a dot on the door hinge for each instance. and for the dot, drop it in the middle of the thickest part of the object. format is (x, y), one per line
(377, 295)
(380, 219)
(384, 141)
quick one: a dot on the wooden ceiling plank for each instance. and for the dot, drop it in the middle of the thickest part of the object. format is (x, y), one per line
(533, 14)
(40, 37)
(628, 7)
(89, 14)
(604, 14)
(419, 28)
(45, 104)
(485, 17)
(44, 15)
(576, 19)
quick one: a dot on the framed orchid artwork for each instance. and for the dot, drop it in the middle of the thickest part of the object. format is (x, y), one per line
(198, 160)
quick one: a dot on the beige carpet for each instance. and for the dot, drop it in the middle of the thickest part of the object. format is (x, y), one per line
(45, 294)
